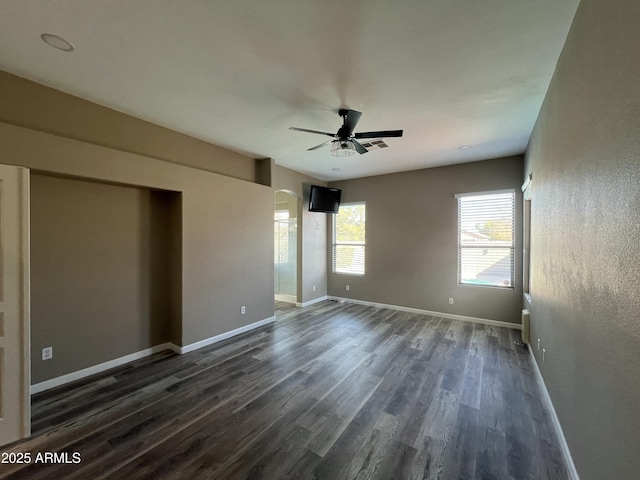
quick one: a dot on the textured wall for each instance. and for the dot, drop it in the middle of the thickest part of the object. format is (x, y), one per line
(585, 159)
(412, 240)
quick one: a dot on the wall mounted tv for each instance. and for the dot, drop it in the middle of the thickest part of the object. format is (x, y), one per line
(324, 199)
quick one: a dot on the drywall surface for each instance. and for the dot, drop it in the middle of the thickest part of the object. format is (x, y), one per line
(34, 106)
(312, 227)
(100, 278)
(584, 156)
(227, 225)
(412, 240)
(220, 223)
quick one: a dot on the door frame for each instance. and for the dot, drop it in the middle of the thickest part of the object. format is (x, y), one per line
(18, 403)
(298, 266)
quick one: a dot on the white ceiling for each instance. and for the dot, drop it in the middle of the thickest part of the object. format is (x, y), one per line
(238, 74)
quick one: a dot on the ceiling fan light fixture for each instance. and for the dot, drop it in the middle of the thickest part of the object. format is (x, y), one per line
(343, 148)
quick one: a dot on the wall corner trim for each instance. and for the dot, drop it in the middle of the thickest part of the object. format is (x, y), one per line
(116, 362)
(485, 321)
(571, 467)
(312, 302)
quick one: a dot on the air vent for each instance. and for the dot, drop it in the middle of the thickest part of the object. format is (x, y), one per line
(375, 145)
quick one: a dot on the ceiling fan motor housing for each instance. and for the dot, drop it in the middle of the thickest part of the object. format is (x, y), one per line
(345, 138)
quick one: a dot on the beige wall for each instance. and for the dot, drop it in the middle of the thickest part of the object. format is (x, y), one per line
(584, 156)
(412, 238)
(100, 275)
(28, 104)
(224, 225)
(312, 257)
(227, 224)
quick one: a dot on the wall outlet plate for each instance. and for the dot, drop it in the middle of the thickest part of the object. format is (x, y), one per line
(47, 353)
(243, 310)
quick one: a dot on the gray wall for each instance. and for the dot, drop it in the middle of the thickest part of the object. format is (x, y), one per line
(412, 238)
(584, 156)
(107, 247)
(222, 226)
(312, 227)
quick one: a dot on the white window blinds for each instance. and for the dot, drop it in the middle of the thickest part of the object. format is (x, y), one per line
(349, 239)
(486, 238)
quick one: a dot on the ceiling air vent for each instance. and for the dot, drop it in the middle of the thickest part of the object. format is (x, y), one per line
(375, 145)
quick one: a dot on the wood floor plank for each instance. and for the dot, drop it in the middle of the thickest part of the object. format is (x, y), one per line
(325, 392)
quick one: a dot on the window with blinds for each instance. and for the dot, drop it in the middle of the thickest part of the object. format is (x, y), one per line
(486, 238)
(349, 239)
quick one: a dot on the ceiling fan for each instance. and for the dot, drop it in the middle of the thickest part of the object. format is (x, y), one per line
(345, 142)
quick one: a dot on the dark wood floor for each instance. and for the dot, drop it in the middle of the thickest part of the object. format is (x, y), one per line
(331, 391)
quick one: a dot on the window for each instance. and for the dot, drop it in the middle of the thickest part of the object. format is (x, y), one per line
(349, 239)
(486, 238)
(281, 240)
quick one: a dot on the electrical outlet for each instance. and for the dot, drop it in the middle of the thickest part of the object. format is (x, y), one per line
(347, 288)
(450, 301)
(243, 310)
(47, 353)
(313, 288)
(544, 355)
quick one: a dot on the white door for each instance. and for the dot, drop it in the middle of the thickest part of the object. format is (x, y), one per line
(15, 373)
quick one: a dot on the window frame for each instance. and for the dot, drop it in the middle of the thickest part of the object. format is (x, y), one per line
(460, 246)
(527, 198)
(335, 242)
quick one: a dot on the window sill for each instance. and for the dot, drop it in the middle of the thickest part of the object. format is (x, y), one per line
(493, 287)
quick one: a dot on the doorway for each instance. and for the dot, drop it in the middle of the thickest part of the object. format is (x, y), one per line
(285, 247)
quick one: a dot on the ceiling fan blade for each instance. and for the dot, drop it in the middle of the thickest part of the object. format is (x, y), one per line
(312, 131)
(380, 134)
(359, 148)
(350, 118)
(319, 146)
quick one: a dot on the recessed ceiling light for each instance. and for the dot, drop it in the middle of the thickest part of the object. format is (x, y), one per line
(464, 147)
(335, 169)
(57, 42)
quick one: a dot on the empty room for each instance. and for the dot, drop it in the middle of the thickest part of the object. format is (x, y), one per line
(330, 240)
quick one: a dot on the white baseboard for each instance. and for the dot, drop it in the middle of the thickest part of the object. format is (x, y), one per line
(223, 336)
(102, 367)
(285, 298)
(85, 372)
(312, 302)
(486, 321)
(571, 467)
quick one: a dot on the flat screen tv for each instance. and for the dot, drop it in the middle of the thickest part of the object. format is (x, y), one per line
(324, 199)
